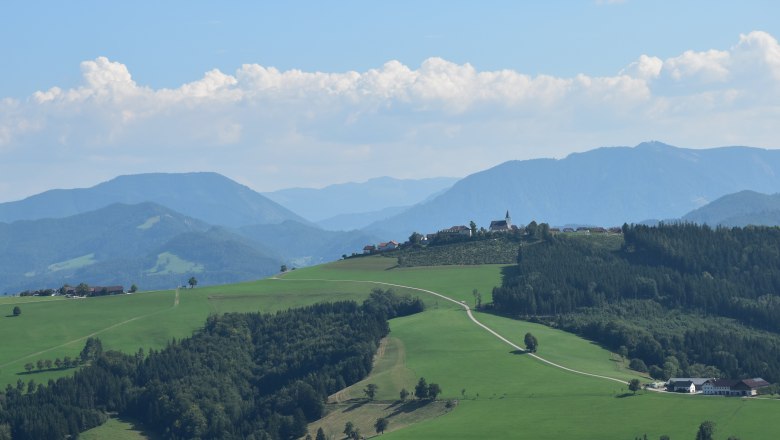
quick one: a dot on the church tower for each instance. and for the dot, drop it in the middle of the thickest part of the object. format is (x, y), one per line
(508, 220)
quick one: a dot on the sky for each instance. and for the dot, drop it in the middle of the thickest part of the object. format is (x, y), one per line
(306, 94)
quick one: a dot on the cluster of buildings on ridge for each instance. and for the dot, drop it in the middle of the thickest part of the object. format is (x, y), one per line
(462, 231)
(716, 387)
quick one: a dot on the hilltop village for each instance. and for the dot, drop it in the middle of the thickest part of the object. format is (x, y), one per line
(463, 232)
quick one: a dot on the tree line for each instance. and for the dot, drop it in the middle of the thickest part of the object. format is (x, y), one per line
(681, 298)
(242, 376)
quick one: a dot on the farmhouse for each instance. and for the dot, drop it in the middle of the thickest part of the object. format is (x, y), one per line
(369, 248)
(501, 225)
(729, 387)
(687, 384)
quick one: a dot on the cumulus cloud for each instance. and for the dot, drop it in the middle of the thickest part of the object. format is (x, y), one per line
(278, 128)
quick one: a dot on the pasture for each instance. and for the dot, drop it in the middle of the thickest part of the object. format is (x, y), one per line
(500, 393)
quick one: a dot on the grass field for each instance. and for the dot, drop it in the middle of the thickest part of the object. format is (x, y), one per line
(500, 393)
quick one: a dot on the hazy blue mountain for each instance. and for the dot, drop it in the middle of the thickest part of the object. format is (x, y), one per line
(350, 198)
(359, 220)
(606, 186)
(210, 197)
(146, 244)
(739, 209)
(304, 245)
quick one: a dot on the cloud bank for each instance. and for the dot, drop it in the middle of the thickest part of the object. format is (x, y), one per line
(271, 128)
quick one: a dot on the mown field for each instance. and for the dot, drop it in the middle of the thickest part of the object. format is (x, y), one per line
(500, 393)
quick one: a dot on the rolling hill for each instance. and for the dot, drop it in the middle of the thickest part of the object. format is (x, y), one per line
(146, 244)
(210, 197)
(606, 186)
(739, 209)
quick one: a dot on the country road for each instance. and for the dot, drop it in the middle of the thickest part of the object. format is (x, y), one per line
(474, 320)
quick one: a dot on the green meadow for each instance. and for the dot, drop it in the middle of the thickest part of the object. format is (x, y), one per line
(499, 393)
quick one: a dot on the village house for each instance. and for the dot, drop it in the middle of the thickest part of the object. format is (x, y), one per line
(456, 231)
(501, 225)
(388, 246)
(369, 248)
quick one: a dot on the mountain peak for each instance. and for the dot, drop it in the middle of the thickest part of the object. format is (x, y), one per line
(654, 146)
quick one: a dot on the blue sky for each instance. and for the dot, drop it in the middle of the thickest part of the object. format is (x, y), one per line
(362, 89)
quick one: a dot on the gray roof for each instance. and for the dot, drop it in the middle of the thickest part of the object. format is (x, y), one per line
(698, 381)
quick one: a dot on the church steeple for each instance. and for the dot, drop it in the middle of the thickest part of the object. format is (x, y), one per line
(508, 219)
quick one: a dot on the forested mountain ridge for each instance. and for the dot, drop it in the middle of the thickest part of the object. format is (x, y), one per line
(682, 298)
(602, 187)
(210, 197)
(146, 244)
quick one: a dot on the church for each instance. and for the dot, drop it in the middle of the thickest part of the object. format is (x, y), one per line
(501, 225)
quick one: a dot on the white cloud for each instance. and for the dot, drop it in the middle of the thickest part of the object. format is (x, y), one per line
(303, 128)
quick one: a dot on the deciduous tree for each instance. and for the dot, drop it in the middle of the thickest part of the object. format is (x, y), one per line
(381, 425)
(192, 282)
(17, 311)
(634, 385)
(706, 431)
(433, 391)
(531, 344)
(421, 389)
(370, 391)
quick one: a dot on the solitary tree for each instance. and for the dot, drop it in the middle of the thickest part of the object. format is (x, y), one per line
(192, 282)
(370, 391)
(404, 394)
(706, 431)
(433, 391)
(421, 389)
(381, 425)
(473, 227)
(17, 311)
(29, 366)
(283, 268)
(349, 428)
(531, 344)
(634, 385)
(133, 288)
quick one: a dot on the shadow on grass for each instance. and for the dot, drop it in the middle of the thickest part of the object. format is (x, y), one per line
(624, 395)
(355, 405)
(409, 406)
(519, 352)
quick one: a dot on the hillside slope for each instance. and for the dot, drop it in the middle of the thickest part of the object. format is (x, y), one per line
(606, 186)
(146, 244)
(739, 209)
(210, 197)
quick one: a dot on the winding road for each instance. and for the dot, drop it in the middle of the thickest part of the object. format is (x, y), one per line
(473, 319)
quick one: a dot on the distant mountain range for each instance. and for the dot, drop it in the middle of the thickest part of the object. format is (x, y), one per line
(353, 205)
(739, 209)
(606, 187)
(210, 197)
(146, 244)
(154, 230)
